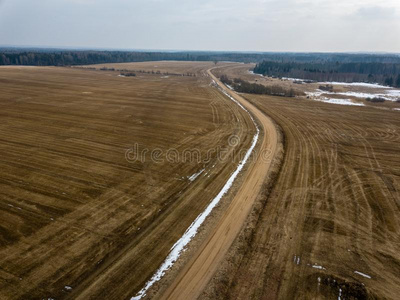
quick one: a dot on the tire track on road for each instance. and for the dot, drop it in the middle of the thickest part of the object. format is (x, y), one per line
(201, 267)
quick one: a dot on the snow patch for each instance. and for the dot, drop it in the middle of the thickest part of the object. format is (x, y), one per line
(362, 84)
(252, 73)
(362, 274)
(195, 175)
(342, 102)
(296, 79)
(315, 266)
(395, 93)
(391, 96)
(317, 96)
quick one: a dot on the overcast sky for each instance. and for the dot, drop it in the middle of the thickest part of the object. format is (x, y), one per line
(241, 25)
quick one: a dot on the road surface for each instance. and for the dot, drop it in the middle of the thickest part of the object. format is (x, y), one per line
(201, 267)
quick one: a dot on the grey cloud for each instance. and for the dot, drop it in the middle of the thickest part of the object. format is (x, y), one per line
(376, 12)
(257, 25)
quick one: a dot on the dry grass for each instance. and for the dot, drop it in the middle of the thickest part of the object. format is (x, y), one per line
(74, 212)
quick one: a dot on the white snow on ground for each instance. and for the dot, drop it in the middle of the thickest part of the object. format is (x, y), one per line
(317, 93)
(362, 84)
(295, 79)
(396, 108)
(395, 93)
(315, 266)
(229, 87)
(195, 175)
(342, 102)
(181, 244)
(362, 274)
(252, 73)
(392, 96)
(317, 96)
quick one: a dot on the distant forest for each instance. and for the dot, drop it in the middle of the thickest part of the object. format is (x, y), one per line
(385, 73)
(61, 57)
(374, 68)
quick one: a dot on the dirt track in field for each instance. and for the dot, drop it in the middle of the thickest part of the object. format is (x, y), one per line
(77, 220)
(330, 227)
(201, 267)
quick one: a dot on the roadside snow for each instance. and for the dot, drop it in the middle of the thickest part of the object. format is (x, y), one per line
(181, 244)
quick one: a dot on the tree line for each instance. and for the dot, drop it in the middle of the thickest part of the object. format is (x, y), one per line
(60, 57)
(242, 86)
(371, 72)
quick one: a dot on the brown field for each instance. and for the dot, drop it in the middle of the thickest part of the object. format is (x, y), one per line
(334, 210)
(78, 220)
(174, 67)
(75, 213)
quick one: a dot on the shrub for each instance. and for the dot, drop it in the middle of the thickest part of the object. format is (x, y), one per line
(225, 80)
(242, 86)
(128, 74)
(376, 100)
(327, 88)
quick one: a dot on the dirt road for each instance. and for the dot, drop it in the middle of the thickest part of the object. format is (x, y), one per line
(77, 214)
(196, 274)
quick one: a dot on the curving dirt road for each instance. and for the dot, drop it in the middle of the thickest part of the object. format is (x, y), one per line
(199, 270)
